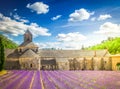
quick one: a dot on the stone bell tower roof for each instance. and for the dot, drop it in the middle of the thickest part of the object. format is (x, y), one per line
(28, 40)
(28, 36)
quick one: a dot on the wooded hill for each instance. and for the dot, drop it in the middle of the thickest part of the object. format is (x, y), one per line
(8, 43)
(112, 44)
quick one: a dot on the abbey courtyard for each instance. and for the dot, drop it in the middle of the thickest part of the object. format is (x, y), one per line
(28, 56)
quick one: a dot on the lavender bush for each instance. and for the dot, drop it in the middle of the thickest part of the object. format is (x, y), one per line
(35, 79)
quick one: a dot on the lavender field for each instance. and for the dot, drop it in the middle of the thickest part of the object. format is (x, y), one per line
(60, 80)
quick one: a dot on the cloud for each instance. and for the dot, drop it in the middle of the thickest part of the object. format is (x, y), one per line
(10, 38)
(109, 28)
(7, 25)
(71, 37)
(15, 9)
(80, 15)
(56, 17)
(39, 7)
(19, 18)
(37, 30)
(48, 44)
(60, 45)
(90, 40)
(11, 13)
(104, 17)
(6, 35)
(75, 40)
(93, 19)
(65, 41)
(71, 45)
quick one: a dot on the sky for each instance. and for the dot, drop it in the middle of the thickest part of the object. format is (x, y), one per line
(60, 24)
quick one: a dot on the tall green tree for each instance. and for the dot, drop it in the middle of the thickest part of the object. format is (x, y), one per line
(2, 55)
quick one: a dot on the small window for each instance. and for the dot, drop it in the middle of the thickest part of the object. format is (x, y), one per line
(30, 65)
(20, 50)
(28, 39)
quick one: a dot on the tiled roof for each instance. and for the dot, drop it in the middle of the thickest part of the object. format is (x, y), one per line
(13, 54)
(29, 53)
(28, 44)
(59, 53)
(72, 53)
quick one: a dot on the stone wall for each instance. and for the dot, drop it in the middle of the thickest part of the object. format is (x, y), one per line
(12, 63)
(114, 61)
(63, 63)
(30, 63)
(89, 63)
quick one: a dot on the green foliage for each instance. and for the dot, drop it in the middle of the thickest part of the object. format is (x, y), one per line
(113, 45)
(2, 55)
(8, 43)
(5, 43)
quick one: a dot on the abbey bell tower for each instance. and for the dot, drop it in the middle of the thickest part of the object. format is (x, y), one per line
(27, 36)
(27, 44)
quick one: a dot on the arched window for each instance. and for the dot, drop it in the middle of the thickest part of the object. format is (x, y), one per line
(36, 49)
(30, 65)
(20, 50)
(118, 66)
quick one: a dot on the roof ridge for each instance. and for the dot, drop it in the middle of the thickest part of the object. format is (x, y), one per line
(28, 53)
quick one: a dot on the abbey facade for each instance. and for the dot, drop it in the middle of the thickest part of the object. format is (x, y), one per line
(28, 57)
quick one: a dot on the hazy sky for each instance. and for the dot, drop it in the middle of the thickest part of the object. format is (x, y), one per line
(66, 24)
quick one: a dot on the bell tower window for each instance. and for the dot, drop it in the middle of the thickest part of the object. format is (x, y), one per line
(20, 50)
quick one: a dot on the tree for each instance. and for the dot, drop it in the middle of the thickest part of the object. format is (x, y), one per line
(84, 64)
(82, 47)
(2, 55)
(92, 63)
(102, 64)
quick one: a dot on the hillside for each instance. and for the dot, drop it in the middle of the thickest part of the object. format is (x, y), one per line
(112, 44)
(8, 43)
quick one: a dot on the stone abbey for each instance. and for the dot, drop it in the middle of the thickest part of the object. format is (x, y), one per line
(29, 57)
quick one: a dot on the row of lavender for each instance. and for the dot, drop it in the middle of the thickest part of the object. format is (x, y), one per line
(81, 79)
(60, 80)
(21, 80)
